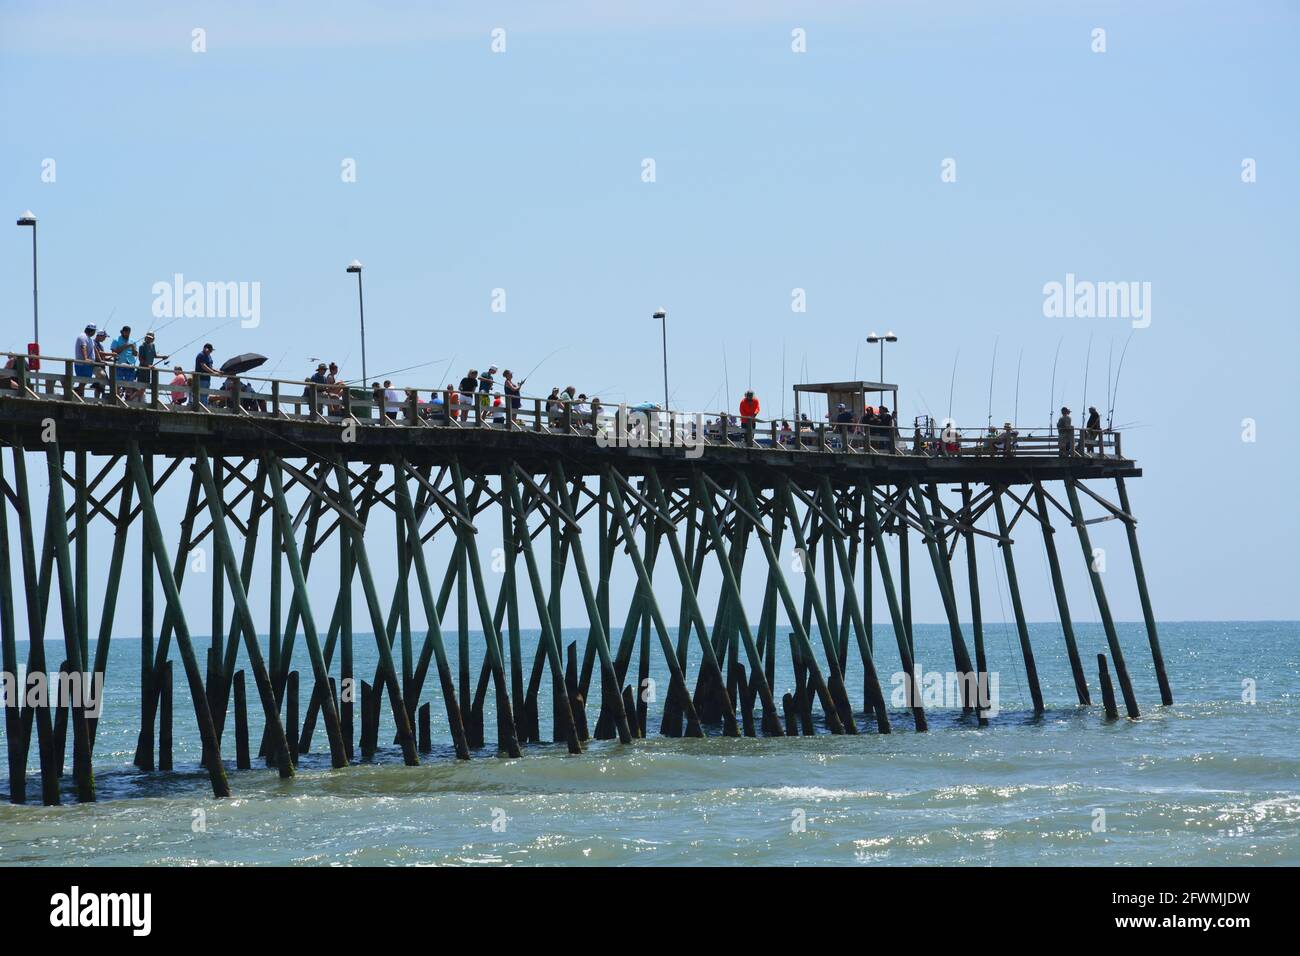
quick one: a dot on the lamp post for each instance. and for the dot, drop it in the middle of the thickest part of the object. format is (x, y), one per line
(28, 218)
(873, 338)
(662, 316)
(355, 266)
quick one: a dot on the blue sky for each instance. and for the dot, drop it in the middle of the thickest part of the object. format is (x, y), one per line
(775, 170)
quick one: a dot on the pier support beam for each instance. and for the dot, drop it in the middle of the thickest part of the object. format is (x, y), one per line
(207, 729)
(284, 522)
(651, 604)
(1013, 585)
(350, 526)
(15, 737)
(1062, 604)
(913, 695)
(1148, 615)
(1103, 606)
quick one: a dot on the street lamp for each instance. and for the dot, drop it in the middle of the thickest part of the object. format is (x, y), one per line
(662, 316)
(873, 338)
(355, 266)
(28, 218)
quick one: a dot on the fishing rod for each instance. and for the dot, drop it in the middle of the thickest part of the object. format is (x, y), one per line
(1015, 413)
(726, 375)
(539, 365)
(1086, 364)
(1051, 406)
(201, 335)
(992, 369)
(952, 382)
(409, 368)
(1110, 354)
(783, 379)
(1110, 413)
(164, 325)
(271, 374)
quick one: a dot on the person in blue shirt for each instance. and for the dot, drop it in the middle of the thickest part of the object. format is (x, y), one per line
(123, 350)
(205, 369)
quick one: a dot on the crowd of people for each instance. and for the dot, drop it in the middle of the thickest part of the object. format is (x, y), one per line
(495, 397)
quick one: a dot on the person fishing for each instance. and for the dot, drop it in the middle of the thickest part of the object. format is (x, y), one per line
(468, 386)
(83, 367)
(204, 368)
(1065, 434)
(749, 409)
(844, 423)
(316, 383)
(124, 354)
(1092, 432)
(149, 357)
(512, 390)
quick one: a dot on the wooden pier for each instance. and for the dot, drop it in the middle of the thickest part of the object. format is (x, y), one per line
(590, 493)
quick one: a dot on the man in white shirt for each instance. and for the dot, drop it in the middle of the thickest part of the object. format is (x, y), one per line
(392, 399)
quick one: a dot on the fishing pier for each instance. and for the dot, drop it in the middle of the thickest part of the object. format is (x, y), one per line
(590, 494)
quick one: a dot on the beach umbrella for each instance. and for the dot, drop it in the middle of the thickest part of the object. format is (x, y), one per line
(239, 364)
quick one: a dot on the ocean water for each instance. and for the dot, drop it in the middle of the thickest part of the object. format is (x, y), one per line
(1214, 779)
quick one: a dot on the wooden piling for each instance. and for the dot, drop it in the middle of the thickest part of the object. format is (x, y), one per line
(1022, 629)
(367, 709)
(291, 716)
(426, 732)
(791, 715)
(1148, 615)
(165, 720)
(242, 758)
(629, 705)
(1107, 689)
(15, 739)
(60, 751)
(1103, 605)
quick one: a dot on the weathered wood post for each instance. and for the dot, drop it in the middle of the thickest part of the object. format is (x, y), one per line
(1103, 606)
(152, 527)
(291, 716)
(1022, 629)
(425, 732)
(1058, 586)
(242, 759)
(16, 752)
(1148, 615)
(165, 725)
(1107, 690)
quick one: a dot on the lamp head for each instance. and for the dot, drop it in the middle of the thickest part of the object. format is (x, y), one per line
(873, 338)
(27, 218)
(659, 314)
(354, 266)
(891, 337)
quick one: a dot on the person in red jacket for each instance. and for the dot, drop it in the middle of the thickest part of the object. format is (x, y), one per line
(749, 407)
(748, 413)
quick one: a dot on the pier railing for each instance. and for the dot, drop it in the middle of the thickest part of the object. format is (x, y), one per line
(55, 378)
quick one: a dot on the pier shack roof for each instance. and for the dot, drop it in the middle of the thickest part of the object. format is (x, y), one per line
(852, 394)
